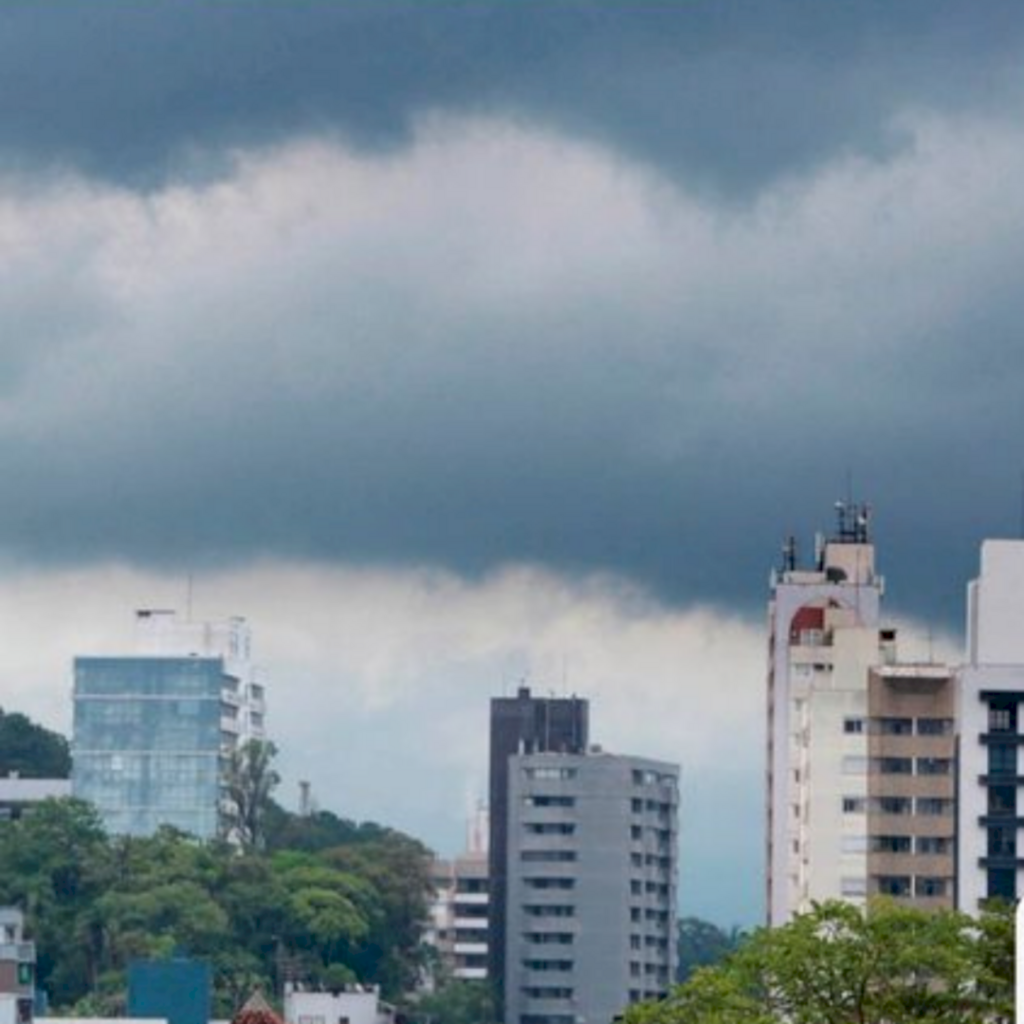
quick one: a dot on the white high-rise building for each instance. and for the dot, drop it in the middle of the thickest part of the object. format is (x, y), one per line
(823, 639)
(861, 748)
(991, 694)
(162, 633)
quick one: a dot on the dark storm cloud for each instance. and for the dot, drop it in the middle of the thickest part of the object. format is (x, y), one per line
(728, 95)
(424, 360)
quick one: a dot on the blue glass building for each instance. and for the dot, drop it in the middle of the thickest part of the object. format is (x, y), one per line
(150, 738)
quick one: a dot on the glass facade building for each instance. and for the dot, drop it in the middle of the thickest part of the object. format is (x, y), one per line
(150, 737)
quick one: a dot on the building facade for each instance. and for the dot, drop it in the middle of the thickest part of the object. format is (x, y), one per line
(523, 724)
(991, 723)
(824, 635)
(18, 795)
(153, 731)
(17, 969)
(592, 877)
(861, 786)
(460, 907)
(911, 785)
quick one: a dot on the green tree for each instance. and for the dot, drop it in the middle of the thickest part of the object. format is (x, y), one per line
(454, 1002)
(842, 965)
(702, 944)
(250, 783)
(30, 750)
(398, 869)
(54, 863)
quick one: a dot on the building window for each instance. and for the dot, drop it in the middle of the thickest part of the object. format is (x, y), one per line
(1002, 884)
(890, 844)
(856, 886)
(1002, 759)
(934, 726)
(854, 805)
(924, 886)
(544, 800)
(934, 766)
(549, 828)
(896, 726)
(894, 765)
(853, 726)
(1001, 720)
(894, 885)
(548, 965)
(1002, 842)
(933, 845)
(1002, 800)
(547, 856)
(550, 773)
(934, 805)
(894, 805)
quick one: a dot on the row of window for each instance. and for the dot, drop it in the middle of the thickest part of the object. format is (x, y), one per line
(898, 726)
(547, 856)
(549, 800)
(652, 778)
(548, 992)
(923, 845)
(549, 883)
(549, 828)
(548, 965)
(660, 807)
(550, 773)
(853, 765)
(549, 938)
(931, 805)
(637, 887)
(651, 860)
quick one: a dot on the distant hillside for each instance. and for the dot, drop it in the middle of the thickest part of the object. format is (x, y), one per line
(30, 750)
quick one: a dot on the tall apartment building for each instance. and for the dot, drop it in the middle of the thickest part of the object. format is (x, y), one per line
(861, 748)
(591, 898)
(991, 720)
(823, 638)
(17, 969)
(153, 731)
(523, 724)
(460, 908)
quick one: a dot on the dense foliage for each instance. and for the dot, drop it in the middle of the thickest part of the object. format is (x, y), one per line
(30, 750)
(842, 965)
(454, 1002)
(702, 944)
(346, 902)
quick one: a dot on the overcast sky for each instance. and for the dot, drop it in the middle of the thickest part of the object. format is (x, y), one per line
(461, 343)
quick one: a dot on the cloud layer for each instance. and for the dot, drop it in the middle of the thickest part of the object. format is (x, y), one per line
(498, 346)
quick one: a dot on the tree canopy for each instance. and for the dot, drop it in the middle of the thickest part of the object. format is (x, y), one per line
(31, 750)
(347, 911)
(838, 964)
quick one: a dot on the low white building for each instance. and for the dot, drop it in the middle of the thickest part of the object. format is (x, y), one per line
(356, 1004)
(17, 794)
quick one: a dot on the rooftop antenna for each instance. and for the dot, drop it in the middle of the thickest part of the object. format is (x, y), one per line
(789, 554)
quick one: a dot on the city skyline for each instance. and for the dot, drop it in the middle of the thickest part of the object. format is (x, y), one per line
(462, 346)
